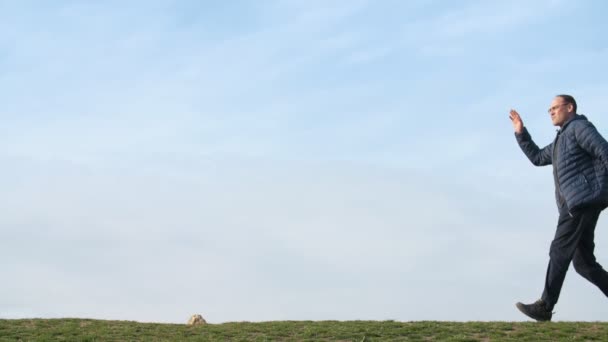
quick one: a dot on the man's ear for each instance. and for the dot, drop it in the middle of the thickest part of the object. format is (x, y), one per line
(570, 107)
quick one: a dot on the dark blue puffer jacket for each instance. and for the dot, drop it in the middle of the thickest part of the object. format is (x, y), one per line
(579, 155)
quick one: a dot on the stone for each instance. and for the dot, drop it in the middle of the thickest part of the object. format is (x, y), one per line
(196, 320)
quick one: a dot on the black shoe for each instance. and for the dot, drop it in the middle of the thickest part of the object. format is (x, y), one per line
(537, 310)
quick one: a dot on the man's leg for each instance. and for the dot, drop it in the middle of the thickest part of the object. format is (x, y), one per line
(565, 243)
(584, 260)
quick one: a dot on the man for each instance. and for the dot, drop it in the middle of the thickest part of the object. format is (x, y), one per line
(579, 155)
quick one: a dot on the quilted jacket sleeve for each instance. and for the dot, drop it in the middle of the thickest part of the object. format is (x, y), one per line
(538, 156)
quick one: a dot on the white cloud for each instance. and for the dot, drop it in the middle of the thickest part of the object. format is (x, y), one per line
(492, 18)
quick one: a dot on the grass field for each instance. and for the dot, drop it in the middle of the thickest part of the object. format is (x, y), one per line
(99, 330)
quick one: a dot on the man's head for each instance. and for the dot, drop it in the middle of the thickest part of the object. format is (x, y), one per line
(563, 108)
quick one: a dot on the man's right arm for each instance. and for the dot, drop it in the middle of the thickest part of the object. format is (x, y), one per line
(537, 156)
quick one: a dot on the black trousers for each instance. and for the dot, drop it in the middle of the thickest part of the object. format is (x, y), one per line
(573, 241)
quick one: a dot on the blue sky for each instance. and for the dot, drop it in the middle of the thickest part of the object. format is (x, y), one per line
(273, 160)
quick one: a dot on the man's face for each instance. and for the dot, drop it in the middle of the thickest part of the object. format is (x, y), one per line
(560, 111)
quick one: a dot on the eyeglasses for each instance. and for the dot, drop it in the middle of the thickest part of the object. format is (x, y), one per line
(555, 107)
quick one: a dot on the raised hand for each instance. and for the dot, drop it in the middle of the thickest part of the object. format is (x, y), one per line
(518, 124)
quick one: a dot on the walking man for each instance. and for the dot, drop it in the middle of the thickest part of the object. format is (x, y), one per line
(579, 155)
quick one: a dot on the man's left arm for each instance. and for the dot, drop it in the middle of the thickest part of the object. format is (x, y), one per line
(592, 141)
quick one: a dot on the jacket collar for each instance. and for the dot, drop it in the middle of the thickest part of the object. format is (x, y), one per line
(573, 118)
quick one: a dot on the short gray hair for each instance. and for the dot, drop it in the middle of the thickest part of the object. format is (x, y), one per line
(568, 99)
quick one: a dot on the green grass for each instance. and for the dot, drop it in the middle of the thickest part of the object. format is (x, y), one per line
(98, 330)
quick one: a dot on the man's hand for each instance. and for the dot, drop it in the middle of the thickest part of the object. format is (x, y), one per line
(518, 125)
